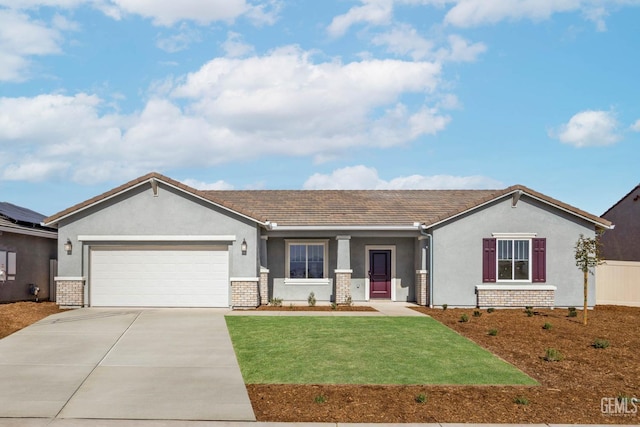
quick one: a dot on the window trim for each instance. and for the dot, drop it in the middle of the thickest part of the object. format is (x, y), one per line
(514, 238)
(325, 267)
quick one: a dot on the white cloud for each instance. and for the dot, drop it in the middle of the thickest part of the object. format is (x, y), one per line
(404, 39)
(461, 51)
(180, 40)
(20, 39)
(636, 126)
(589, 128)
(234, 47)
(366, 178)
(167, 13)
(282, 104)
(371, 12)
(201, 185)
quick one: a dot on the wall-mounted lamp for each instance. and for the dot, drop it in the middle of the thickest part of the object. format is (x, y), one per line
(243, 247)
(68, 247)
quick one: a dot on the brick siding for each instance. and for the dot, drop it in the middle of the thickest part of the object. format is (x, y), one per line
(515, 298)
(343, 286)
(264, 287)
(70, 293)
(244, 294)
(422, 290)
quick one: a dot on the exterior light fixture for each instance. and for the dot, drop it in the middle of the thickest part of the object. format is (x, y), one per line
(68, 247)
(243, 246)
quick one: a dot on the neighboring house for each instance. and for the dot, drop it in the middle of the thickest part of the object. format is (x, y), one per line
(26, 251)
(618, 278)
(157, 242)
(623, 242)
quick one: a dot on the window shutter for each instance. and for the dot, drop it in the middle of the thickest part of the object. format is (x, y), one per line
(488, 260)
(539, 262)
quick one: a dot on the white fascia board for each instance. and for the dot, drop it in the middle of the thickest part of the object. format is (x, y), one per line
(156, 238)
(149, 181)
(30, 232)
(509, 195)
(345, 228)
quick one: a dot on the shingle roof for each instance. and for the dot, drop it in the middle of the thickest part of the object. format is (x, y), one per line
(352, 207)
(342, 207)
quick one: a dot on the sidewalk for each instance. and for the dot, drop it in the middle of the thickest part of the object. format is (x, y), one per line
(45, 422)
(384, 308)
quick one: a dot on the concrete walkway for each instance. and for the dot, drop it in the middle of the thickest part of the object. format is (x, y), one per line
(145, 364)
(384, 308)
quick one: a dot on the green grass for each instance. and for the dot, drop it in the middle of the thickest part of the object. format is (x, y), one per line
(362, 350)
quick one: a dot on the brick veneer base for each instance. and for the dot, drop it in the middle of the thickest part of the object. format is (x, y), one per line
(244, 294)
(264, 287)
(343, 286)
(70, 293)
(421, 287)
(515, 298)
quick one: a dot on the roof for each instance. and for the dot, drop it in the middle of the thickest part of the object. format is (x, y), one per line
(21, 214)
(16, 219)
(341, 208)
(621, 199)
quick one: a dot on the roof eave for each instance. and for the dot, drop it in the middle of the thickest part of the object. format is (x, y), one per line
(518, 190)
(48, 222)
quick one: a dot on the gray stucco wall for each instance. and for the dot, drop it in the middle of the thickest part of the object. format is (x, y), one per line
(405, 267)
(32, 266)
(172, 212)
(457, 248)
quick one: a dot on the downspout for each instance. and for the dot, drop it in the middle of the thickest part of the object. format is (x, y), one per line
(422, 227)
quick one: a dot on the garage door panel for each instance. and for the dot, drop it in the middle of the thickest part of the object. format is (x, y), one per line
(159, 278)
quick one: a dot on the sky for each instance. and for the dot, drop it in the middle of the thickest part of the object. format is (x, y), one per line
(319, 94)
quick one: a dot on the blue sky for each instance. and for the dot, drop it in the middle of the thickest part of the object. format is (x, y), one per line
(276, 94)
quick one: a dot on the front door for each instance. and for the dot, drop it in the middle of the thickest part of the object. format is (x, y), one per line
(380, 273)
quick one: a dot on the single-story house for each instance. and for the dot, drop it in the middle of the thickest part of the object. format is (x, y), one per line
(26, 253)
(157, 242)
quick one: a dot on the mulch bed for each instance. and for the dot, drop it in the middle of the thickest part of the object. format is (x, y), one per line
(570, 390)
(17, 315)
(315, 308)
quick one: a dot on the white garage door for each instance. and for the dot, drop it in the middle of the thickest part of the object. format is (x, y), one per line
(159, 277)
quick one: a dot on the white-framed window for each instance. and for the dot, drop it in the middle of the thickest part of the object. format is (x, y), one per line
(306, 259)
(513, 260)
(8, 268)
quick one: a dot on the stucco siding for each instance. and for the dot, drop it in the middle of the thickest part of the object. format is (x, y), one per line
(139, 213)
(32, 266)
(457, 249)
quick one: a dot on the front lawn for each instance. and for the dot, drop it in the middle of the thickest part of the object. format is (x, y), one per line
(362, 350)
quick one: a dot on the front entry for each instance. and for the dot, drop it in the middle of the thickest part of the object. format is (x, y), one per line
(380, 273)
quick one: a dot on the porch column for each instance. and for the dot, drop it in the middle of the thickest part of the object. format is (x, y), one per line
(343, 270)
(264, 286)
(264, 271)
(263, 251)
(422, 274)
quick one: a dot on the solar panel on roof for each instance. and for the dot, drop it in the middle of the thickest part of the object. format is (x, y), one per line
(18, 213)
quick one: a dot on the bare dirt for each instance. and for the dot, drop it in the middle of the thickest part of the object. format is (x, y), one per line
(17, 315)
(316, 308)
(570, 390)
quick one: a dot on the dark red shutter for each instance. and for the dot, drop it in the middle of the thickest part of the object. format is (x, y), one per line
(539, 262)
(488, 260)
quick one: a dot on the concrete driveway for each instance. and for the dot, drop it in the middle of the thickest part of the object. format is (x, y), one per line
(169, 364)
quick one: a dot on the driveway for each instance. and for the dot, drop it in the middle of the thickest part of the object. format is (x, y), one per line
(170, 364)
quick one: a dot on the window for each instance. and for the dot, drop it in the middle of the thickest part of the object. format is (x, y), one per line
(306, 260)
(514, 259)
(7, 266)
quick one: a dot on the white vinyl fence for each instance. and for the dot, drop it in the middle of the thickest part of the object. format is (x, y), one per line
(618, 283)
